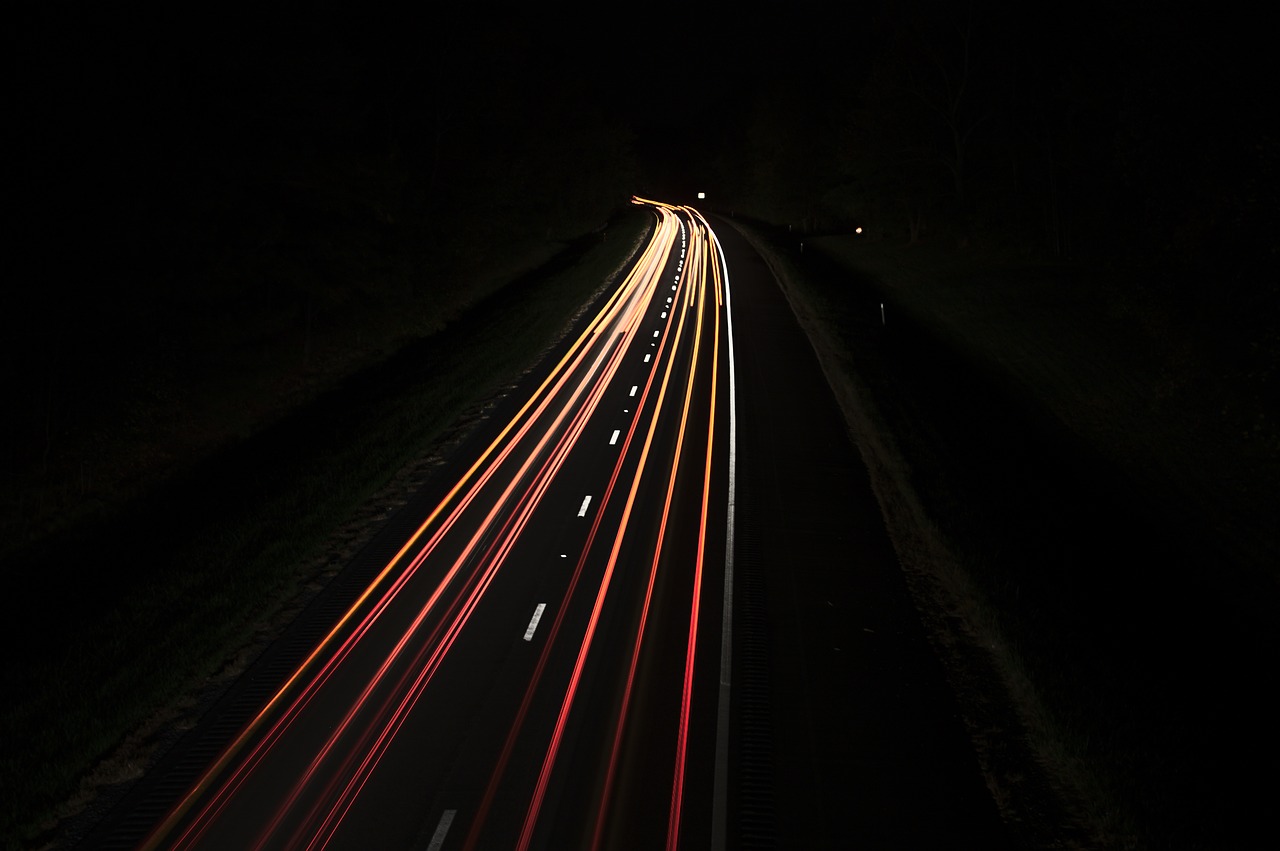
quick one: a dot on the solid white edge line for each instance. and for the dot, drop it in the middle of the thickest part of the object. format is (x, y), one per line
(720, 788)
(533, 622)
(437, 838)
(582, 512)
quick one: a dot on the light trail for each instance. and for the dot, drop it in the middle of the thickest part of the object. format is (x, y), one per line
(535, 806)
(637, 643)
(525, 507)
(546, 392)
(644, 271)
(677, 795)
(535, 681)
(377, 668)
(492, 561)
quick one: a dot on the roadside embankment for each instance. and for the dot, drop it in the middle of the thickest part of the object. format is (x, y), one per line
(1089, 547)
(147, 612)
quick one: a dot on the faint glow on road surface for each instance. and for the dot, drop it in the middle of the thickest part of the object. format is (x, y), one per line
(425, 599)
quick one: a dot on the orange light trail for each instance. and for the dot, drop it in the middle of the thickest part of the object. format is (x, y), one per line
(620, 723)
(545, 476)
(492, 561)
(677, 795)
(554, 630)
(621, 306)
(422, 602)
(535, 806)
(693, 281)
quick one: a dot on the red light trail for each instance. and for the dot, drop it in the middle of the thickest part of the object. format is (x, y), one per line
(434, 628)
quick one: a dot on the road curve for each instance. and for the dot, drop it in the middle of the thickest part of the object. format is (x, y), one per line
(537, 665)
(605, 629)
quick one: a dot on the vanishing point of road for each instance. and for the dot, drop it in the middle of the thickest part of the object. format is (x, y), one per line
(651, 604)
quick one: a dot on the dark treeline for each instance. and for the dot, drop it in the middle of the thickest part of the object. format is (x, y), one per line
(171, 135)
(1124, 161)
(220, 194)
(1130, 150)
(1126, 132)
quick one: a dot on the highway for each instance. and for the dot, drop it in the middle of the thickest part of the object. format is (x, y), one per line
(650, 603)
(538, 666)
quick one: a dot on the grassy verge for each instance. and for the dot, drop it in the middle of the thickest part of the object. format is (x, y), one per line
(141, 608)
(1062, 502)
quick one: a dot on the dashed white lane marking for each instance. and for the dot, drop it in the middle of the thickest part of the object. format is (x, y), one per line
(582, 512)
(646, 358)
(614, 439)
(533, 623)
(437, 838)
(634, 388)
(655, 333)
(664, 314)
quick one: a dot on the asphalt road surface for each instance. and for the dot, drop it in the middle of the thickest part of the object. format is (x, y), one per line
(846, 732)
(653, 607)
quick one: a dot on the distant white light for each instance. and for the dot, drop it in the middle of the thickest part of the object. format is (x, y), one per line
(857, 230)
(701, 195)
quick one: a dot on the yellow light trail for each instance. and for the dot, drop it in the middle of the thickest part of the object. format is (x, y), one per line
(499, 493)
(549, 760)
(537, 401)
